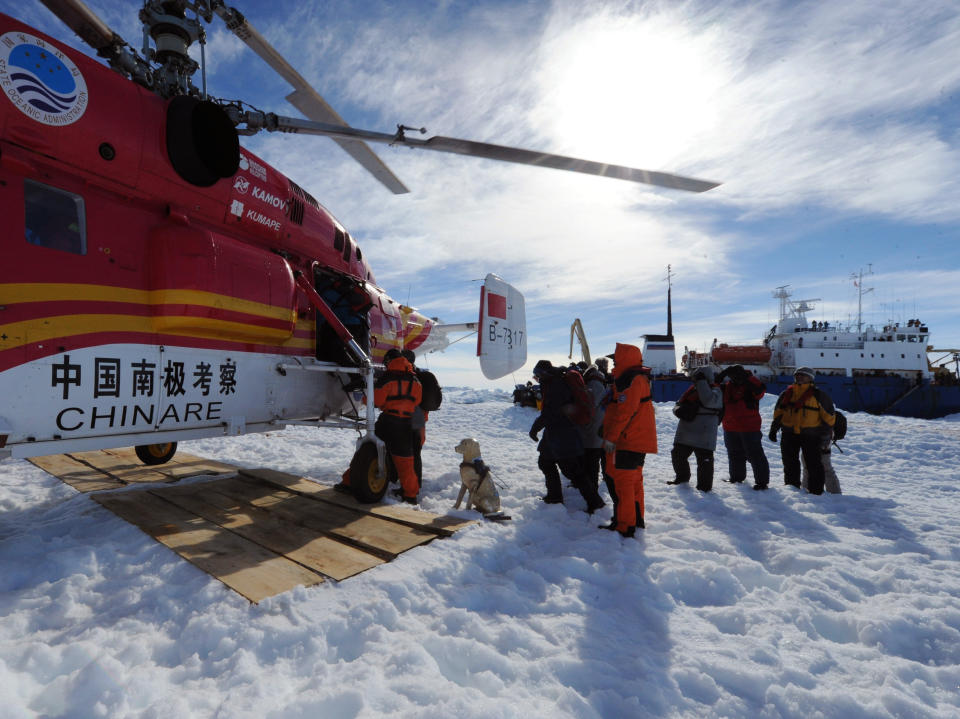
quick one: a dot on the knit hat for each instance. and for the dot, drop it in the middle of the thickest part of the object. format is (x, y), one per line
(541, 368)
(804, 370)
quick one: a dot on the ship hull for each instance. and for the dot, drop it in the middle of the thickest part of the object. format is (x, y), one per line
(890, 395)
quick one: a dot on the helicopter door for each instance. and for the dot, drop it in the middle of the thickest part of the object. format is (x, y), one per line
(350, 302)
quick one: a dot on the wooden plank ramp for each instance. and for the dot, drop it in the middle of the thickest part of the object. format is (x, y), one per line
(115, 468)
(259, 531)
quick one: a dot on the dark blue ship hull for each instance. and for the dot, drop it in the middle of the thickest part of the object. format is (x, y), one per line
(877, 395)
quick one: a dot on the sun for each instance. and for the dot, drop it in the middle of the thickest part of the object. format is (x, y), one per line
(636, 90)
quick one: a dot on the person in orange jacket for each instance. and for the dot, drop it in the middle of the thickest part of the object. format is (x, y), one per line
(629, 434)
(397, 394)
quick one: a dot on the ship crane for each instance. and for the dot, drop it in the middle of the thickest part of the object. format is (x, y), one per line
(577, 329)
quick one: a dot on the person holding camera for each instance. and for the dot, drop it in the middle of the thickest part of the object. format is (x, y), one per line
(741, 426)
(698, 411)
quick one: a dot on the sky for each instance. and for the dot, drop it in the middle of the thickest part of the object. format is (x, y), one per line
(832, 127)
(737, 604)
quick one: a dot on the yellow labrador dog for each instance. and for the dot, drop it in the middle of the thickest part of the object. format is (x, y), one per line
(477, 481)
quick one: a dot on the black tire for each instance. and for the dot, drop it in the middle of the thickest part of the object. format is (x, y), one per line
(366, 485)
(156, 453)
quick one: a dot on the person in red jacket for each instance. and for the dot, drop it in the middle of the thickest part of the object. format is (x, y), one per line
(398, 394)
(741, 426)
(629, 434)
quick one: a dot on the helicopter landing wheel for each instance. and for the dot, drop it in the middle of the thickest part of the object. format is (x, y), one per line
(367, 485)
(156, 453)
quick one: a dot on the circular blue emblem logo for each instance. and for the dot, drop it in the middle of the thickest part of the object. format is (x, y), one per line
(40, 80)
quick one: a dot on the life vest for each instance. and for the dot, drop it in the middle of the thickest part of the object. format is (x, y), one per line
(398, 392)
(804, 410)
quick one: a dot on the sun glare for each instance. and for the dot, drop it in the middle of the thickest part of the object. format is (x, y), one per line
(637, 90)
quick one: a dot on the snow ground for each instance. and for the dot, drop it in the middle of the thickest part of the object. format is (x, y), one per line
(730, 604)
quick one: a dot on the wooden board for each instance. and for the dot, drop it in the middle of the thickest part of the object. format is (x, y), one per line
(81, 477)
(124, 469)
(260, 532)
(114, 468)
(245, 567)
(305, 546)
(372, 534)
(438, 524)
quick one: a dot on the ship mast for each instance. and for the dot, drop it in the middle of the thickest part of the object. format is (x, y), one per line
(669, 308)
(858, 283)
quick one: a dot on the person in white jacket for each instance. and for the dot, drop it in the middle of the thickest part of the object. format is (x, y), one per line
(698, 413)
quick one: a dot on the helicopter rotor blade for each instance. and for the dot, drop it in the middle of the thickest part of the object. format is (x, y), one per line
(306, 99)
(83, 21)
(490, 151)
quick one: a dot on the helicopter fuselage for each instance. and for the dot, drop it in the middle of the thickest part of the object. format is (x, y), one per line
(136, 307)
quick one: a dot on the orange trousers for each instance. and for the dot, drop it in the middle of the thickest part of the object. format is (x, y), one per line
(407, 476)
(628, 484)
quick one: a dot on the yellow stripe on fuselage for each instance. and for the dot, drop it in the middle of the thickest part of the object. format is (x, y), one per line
(63, 326)
(18, 293)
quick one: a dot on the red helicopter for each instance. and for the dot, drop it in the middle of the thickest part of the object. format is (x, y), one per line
(167, 284)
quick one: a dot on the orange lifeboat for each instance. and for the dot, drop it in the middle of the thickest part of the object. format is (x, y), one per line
(741, 354)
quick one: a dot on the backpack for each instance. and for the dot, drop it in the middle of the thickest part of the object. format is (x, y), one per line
(688, 407)
(432, 394)
(686, 411)
(583, 410)
(839, 425)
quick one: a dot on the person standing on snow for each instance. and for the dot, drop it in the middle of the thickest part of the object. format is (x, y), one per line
(806, 414)
(629, 435)
(698, 433)
(590, 432)
(741, 426)
(561, 449)
(397, 394)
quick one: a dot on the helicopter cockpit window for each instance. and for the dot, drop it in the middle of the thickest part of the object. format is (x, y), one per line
(338, 240)
(54, 218)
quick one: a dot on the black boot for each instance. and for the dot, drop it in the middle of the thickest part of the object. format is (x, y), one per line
(552, 499)
(678, 481)
(759, 486)
(630, 532)
(398, 493)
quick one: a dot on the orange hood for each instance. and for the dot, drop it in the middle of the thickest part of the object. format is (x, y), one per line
(625, 357)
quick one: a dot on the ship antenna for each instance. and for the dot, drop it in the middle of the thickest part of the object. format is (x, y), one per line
(858, 283)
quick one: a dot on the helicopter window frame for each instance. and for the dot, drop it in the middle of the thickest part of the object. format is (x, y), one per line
(51, 222)
(338, 239)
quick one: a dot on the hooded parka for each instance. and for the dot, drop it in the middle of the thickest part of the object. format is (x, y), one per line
(630, 425)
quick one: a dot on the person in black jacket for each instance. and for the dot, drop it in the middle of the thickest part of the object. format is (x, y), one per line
(561, 449)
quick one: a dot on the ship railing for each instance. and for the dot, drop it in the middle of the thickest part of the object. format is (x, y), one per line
(837, 345)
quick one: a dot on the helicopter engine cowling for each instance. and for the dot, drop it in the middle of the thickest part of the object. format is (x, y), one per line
(202, 142)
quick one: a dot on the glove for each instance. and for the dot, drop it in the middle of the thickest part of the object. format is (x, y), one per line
(533, 435)
(698, 375)
(774, 428)
(609, 447)
(723, 375)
